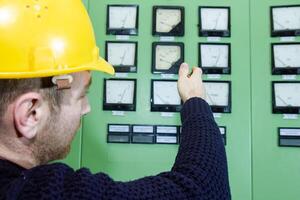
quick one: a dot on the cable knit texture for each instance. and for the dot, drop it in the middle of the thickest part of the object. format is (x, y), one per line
(199, 172)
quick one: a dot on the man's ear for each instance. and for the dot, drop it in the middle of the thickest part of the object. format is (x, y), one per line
(28, 114)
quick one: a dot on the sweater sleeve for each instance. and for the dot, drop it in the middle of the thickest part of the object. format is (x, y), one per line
(199, 172)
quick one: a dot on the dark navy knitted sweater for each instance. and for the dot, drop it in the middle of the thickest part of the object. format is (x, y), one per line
(199, 172)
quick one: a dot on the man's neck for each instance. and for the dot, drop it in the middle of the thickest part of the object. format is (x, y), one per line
(21, 159)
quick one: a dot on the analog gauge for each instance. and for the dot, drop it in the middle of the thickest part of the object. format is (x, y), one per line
(287, 94)
(165, 96)
(122, 19)
(285, 20)
(214, 21)
(119, 94)
(122, 55)
(218, 95)
(167, 57)
(215, 58)
(168, 21)
(286, 59)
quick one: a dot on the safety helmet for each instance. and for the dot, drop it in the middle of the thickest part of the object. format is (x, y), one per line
(44, 38)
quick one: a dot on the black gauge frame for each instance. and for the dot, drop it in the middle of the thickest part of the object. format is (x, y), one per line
(124, 68)
(223, 109)
(286, 70)
(119, 107)
(163, 107)
(214, 33)
(177, 31)
(215, 70)
(168, 134)
(280, 137)
(283, 109)
(122, 31)
(175, 67)
(282, 33)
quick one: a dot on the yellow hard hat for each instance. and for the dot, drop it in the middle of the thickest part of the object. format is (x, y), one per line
(42, 38)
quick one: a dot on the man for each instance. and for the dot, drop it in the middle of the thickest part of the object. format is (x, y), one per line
(44, 76)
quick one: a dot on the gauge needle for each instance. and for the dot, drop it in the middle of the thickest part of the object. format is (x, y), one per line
(218, 59)
(283, 101)
(276, 22)
(167, 24)
(217, 21)
(213, 103)
(163, 60)
(122, 97)
(123, 57)
(285, 65)
(164, 101)
(124, 20)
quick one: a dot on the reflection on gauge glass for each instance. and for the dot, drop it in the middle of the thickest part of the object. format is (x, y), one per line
(121, 54)
(166, 56)
(166, 93)
(287, 55)
(286, 18)
(214, 55)
(122, 17)
(287, 94)
(120, 92)
(217, 94)
(214, 19)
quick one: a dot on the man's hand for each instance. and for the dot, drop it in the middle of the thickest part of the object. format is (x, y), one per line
(190, 85)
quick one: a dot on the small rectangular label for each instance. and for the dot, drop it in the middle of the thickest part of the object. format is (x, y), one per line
(217, 115)
(290, 116)
(166, 139)
(168, 76)
(118, 129)
(147, 139)
(122, 37)
(118, 139)
(118, 113)
(213, 39)
(222, 130)
(166, 129)
(214, 76)
(167, 39)
(143, 129)
(289, 77)
(290, 142)
(121, 75)
(287, 39)
(290, 132)
(167, 114)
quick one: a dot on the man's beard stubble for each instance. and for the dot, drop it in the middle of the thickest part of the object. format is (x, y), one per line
(53, 142)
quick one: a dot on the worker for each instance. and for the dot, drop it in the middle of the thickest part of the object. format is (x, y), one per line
(47, 53)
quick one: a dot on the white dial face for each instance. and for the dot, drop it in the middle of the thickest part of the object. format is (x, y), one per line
(287, 55)
(121, 54)
(217, 94)
(287, 18)
(122, 17)
(167, 19)
(166, 93)
(214, 18)
(166, 56)
(287, 94)
(214, 55)
(119, 92)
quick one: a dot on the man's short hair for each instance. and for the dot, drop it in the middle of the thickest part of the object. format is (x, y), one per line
(10, 89)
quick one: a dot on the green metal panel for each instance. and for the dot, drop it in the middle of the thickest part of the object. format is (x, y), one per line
(276, 171)
(129, 161)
